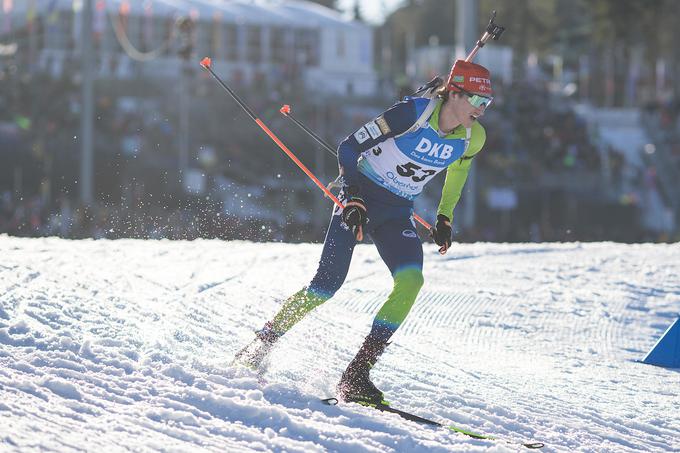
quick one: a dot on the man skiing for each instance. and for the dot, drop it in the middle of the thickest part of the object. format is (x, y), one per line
(384, 167)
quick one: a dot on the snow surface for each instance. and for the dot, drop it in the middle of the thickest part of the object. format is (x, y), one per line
(125, 345)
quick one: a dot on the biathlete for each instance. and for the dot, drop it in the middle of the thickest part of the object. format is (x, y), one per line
(384, 167)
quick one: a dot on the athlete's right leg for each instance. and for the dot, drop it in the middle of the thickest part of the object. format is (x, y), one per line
(330, 275)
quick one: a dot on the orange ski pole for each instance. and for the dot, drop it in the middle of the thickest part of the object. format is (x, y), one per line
(207, 64)
(285, 111)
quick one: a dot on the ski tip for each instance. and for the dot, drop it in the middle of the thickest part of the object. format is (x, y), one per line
(206, 62)
(330, 401)
(535, 445)
(285, 109)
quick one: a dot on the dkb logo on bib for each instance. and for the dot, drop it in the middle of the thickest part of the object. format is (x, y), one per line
(438, 150)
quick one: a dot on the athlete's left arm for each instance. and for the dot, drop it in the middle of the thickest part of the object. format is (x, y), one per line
(457, 173)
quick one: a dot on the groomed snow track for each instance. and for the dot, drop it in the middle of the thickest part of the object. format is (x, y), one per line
(124, 345)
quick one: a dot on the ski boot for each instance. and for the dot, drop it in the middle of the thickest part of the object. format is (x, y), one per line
(355, 384)
(257, 350)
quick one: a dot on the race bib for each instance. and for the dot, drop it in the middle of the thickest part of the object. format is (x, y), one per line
(405, 164)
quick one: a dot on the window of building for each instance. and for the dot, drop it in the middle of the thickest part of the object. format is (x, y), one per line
(340, 41)
(365, 52)
(216, 37)
(167, 30)
(277, 45)
(202, 32)
(158, 32)
(144, 33)
(134, 31)
(254, 43)
(306, 46)
(230, 37)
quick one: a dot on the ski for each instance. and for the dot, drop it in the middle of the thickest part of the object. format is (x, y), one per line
(425, 421)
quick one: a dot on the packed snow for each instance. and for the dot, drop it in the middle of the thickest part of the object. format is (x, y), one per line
(126, 345)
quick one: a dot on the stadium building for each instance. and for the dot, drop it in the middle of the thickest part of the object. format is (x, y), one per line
(264, 41)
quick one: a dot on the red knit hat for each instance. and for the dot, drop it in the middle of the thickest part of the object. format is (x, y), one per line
(470, 77)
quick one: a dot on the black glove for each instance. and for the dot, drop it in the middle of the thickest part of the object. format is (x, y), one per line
(441, 233)
(354, 214)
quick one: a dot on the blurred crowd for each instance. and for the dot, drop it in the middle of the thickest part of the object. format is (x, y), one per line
(35, 216)
(141, 191)
(531, 134)
(531, 131)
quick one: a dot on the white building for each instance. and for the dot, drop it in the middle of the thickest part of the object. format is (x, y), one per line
(276, 40)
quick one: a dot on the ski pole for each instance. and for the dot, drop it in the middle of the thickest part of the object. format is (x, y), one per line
(285, 110)
(493, 30)
(207, 65)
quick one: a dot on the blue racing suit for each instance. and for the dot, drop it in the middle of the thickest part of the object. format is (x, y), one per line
(389, 164)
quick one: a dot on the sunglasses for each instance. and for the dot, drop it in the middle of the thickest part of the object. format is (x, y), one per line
(476, 100)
